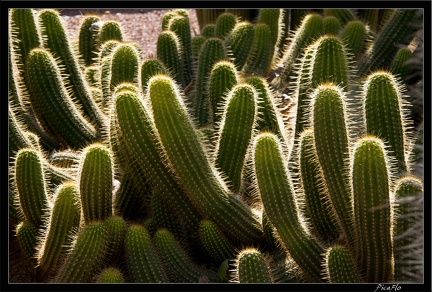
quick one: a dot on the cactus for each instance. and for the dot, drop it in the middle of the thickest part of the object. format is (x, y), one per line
(110, 30)
(400, 66)
(26, 233)
(124, 65)
(149, 68)
(251, 267)
(169, 53)
(354, 35)
(239, 43)
(63, 220)
(225, 24)
(215, 243)
(141, 257)
(116, 227)
(339, 266)
(332, 25)
(344, 15)
(209, 30)
(261, 52)
(88, 39)
(110, 275)
(371, 175)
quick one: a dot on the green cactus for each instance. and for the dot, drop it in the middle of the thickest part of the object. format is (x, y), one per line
(86, 255)
(110, 275)
(26, 233)
(92, 75)
(371, 17)
(400, 66)
(225, 24)
(166, 18)
(110, 30)
(116, 227)
(340, 267)
(239, 43)
(344, 15)
(197, 42)
(63, 220)
(52, 104)
(124, 65)
(261, 52)
(273, 18)
(149, 68)
(169, 53)
(354, 36)
(88, 39)
(251, 267)
(209, 30)
(276, 192)
(127, 200)
(142, 260)
(215, 242)
(370, 175)
(332, 25)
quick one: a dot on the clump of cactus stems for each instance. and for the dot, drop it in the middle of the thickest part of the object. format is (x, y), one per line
(274, 146)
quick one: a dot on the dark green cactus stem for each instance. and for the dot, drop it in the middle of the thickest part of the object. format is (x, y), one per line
(239, 43)
(127, 200)
(339, 266)
(92, 75)
(26, 233)
(371, 17)
(222, 78)
(408, 229)
(397, 30)
(105, 81)
(344, 15)
(64, 159)
(149, 68)
(124, 65)
(372, 210)
(261, 52)
(97, 96)
(88, 39)
(209, 30)
(251, 267)
(110, 30)
(385, 114)
(316, 197)
(141, 257)
(86, 255)
(166, 18)
(107, 48)
(110, 275)
(63, 220)
(116, 227)
(215, 242)
(225, 24)
(181, 27)
(399, 66)
(17, 136)
(274, 18)
(332, 25)
(197, 42)
(242, 14)
(269, 233)
(95, 182)
(206, 16)
(236, 133)
(179, 266)
(277, 196)
(354, 36)
(31, 185)
(310, 29)
(139, 136)
(205, 189)
(212, 51)
(329, 120)
(169, 53)
(55, 40)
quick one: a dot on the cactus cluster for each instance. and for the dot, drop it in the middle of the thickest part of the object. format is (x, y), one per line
(271, 148)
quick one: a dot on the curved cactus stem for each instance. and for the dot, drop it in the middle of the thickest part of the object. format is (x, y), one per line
(88, 39)
(149, 68)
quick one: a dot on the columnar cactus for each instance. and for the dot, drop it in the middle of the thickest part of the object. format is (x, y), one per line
(251, 267)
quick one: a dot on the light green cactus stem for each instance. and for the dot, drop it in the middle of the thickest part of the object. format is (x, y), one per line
(30, 184)
(52, 104)
(344, 15)
(169, 53)
(212, 51)
(239, 43)
(124, 65)
(92, 75)
(371, 17)
(386, 114)
(107, 48)
(149, 68)
(397, 30)
(400, 66)
(26, 233)
(209, 30)
(181, 27)
(251, 267)
(110, 275)
(178, 264)
(222, 78)
(55, 40)
(63, 220)
(277, 196)
(332, 25)
(95, 182)
(199, 178)
(274, 18)
(86, 255)
(142, 260)
(139, 136)
(110, 30)
(215, 242)
(370, 175)
(225, 24)
(408, 229)
(197, 42)
(116, 227)
(167, 17)
(339, 266)
(261, 52)
(310, 29)
(316, 197)
(330, 128)
(354, 36)
(88, 39)
(236, 133)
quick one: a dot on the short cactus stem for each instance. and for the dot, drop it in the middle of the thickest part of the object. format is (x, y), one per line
(273, 18)
(64, 218)
(354, 36)
(110, 275)
(236, 133)
(88, 39)
(372, 210)
(31, 185)
(169, 53)
(86, 255)
(332, 25)
(343, 15)
(251, 267)
(197, 42)
(124, 65)
(239, 43)
(166, 18)
(261, 52)
(116, 227)
(225, 24)
(95, 180)
(110, 30)
(215, 242)
(399, 66)
(340, 267)
(141, 257)
(276, 193)
(209, 30)
(149, 68)
(26, 233)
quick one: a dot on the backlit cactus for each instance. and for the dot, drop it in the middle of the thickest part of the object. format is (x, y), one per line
(251, 267)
